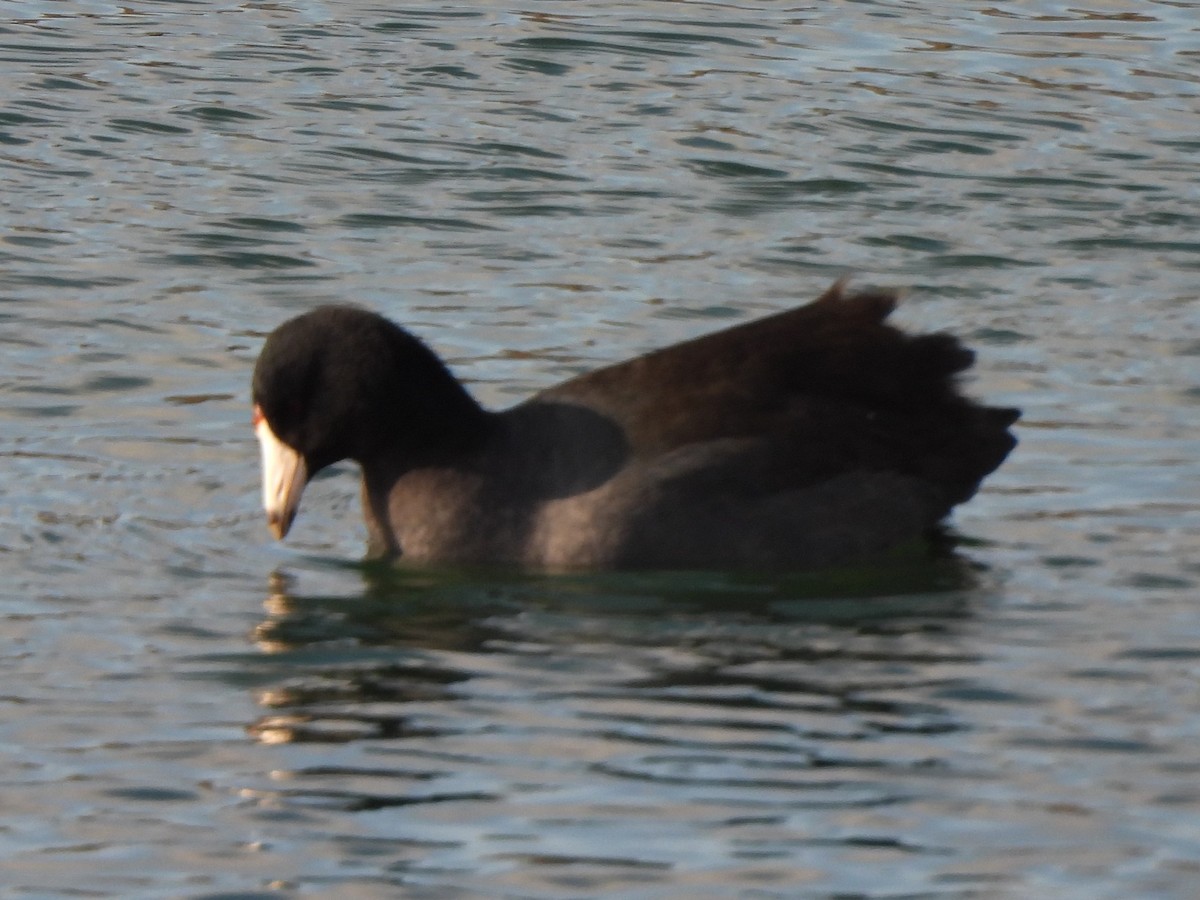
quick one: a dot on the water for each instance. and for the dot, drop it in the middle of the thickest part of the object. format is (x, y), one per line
(192, 711)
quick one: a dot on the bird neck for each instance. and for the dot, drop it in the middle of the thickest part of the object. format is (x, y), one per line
(443, 431)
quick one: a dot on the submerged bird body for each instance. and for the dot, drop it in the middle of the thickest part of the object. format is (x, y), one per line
(813, 437)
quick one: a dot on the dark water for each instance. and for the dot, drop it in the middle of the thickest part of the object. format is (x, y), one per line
(189, 710)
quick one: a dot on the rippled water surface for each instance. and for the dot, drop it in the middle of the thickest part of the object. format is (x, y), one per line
(189, 710)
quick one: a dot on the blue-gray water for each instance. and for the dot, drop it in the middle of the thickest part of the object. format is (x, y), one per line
(189, 710)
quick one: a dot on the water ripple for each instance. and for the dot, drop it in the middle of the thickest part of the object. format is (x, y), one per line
(537, 192)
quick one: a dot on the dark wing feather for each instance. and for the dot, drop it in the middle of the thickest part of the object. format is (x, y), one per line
(827, 388)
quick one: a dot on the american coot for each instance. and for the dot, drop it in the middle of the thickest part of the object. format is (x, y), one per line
(816, 436)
